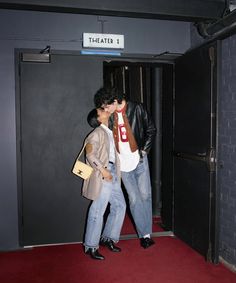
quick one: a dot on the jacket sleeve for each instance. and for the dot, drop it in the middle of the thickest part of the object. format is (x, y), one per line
(149, 130)
(93, 143)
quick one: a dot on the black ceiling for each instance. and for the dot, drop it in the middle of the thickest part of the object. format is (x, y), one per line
(184, 10)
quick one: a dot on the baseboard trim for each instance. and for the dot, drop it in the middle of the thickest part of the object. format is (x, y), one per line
(227, 264)
(154, 234)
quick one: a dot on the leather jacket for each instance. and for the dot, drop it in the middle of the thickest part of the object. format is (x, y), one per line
(143, 128)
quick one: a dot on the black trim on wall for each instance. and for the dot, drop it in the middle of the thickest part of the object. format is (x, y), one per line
(191, 10)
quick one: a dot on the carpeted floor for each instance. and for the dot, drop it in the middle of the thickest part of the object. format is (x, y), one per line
(168, 261)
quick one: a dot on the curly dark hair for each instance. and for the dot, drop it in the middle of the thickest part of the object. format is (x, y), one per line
(107, 95)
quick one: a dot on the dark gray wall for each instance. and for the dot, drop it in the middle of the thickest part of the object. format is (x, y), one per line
(227, 152)
(20, 29)
(8, 192)
(186, 10)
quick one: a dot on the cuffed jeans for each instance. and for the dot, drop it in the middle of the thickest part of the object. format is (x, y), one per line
(111, 192)
(138, 186)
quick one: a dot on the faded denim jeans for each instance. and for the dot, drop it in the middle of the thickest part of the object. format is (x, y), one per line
(111, 192)
(138, 186)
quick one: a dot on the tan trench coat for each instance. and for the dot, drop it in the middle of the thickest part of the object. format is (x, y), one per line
(99, 157)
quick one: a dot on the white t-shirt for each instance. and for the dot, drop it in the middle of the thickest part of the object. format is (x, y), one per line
(111, 142)
(128, 159)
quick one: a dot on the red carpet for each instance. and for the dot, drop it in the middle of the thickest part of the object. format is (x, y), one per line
(168, 261)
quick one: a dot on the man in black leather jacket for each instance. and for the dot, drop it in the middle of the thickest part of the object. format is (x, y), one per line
(134, 133)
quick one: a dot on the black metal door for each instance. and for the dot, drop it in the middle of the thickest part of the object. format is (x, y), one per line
(195, 195)
(54, 101)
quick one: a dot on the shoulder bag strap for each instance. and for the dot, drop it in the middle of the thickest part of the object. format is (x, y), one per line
(81, 151)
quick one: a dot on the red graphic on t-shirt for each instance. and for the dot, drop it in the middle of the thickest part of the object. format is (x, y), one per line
(123, 133)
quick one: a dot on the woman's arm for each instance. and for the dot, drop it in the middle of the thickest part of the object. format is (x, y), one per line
(93, 146)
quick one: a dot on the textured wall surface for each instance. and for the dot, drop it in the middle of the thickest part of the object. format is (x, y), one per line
(227, 151)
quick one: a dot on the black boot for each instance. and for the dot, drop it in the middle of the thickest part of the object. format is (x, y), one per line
(94, 254)
(146, 242)
(110, 245)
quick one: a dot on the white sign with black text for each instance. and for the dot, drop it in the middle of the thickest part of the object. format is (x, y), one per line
(103, 40)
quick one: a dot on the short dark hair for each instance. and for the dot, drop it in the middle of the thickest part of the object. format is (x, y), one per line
(92, 118)
(107, 95)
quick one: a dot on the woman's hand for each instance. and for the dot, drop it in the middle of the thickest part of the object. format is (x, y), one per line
(106, 175)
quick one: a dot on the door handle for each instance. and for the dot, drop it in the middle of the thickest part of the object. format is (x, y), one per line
(208, 157)
(211, 160)
(191, 156)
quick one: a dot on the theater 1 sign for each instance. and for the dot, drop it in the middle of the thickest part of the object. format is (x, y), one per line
(103, 40)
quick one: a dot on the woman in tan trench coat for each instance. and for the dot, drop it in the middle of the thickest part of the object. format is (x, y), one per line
(103, 187)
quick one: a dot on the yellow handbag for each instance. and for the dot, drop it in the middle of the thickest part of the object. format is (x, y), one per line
(82, 169)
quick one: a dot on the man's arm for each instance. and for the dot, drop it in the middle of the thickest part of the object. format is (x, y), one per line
(149, 130)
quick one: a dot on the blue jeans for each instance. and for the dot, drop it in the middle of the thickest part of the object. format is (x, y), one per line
(111, 192)
(138, 186)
